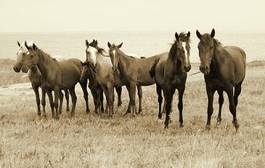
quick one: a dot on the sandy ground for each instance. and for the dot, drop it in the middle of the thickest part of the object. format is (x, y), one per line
(98, 141)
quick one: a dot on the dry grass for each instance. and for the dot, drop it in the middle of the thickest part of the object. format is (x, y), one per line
(99, 141)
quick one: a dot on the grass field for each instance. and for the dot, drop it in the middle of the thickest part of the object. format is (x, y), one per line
(99, 141)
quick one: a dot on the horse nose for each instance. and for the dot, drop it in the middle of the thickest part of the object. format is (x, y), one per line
(16, 69)
(205, 69)
(187, 68)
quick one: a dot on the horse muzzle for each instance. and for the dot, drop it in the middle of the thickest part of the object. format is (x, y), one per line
(205, 69)
(115, 69)
(16, 69)
(25, 69)
(187, 68)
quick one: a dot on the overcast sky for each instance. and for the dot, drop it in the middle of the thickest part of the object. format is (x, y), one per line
(131, 15)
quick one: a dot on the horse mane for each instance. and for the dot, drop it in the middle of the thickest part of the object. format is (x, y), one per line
(95, 45)
(217, 42)
(183, 37)
(50, 58)
(173, 50)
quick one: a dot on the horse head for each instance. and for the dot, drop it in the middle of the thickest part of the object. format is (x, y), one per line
(206, 48)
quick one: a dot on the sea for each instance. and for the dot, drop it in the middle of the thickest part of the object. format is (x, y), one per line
(72, 44)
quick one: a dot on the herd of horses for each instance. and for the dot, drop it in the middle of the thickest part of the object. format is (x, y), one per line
(224, 69)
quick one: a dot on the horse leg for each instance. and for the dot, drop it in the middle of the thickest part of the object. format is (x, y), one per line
(49, 93)
(101, 100)
(105, 90)
(180, 105)
(111, 99)
(129, 105)
(237, 93)
(56, 98)
(74, 98)
(119, 90)
(95, 99)
(221, 102)
(61, 102)
(66, 92)
(132, 98)
(210, 94)
(168, 95)
(43, 101)
(232, 106)
(84, 88)
(140, 95)
(160, 100)
(37, 96)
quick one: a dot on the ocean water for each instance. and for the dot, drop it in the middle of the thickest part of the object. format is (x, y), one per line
(72, 45)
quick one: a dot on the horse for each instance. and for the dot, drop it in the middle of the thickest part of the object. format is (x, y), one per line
(170, 73)
(57, 75)
(36, 81)
(106, 78)
(224, 69)
(95, 88)
(133, 72)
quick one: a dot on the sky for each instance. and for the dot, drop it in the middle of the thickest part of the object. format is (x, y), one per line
(131, 15)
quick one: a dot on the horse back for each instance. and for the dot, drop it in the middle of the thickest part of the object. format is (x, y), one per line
(233, 66)
(70, 72)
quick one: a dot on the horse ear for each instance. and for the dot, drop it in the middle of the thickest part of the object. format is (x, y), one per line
(87, 43)
(188, 34)
(26, 44)
(109, 45)
(18, 43)
(34, 46)
(198, 34)
(213, 33)
(119, 46)
(177, 36)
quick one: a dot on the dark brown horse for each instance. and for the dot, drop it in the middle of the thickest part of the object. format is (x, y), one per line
(170, 73)
(95, 88)
(37, 82)
(57, 75)
(224, 69)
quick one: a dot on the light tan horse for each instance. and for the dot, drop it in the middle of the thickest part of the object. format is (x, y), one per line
(105, 77)
(57, 75)
(133, 72)
(37, 82)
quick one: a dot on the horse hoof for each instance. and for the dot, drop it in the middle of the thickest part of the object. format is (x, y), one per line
(207, 127)
(160, 116)
(236, 125)
(181, 125)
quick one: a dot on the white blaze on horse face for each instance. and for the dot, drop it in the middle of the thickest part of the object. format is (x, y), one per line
(22, 50)
(186, 53)
(92, 54)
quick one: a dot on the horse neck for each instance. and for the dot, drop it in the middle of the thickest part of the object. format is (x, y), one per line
(173, 63)
(215, 60)
(124, 60)
(45, 64)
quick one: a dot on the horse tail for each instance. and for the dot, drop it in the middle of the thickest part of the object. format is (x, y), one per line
(153, 69)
